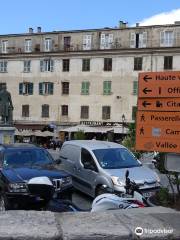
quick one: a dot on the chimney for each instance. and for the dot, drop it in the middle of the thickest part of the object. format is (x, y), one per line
(122, 24)
(38, 29)
(137, 24)
(30, 30)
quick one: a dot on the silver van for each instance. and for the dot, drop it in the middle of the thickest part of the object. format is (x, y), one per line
(95, 163)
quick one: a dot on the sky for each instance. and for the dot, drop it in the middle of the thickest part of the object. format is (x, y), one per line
(16, 16)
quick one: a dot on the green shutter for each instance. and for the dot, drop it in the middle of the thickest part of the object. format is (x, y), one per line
(30, 88)
(135, 87)
(20, 88)
(85, 88)
(41, 88)
(106, 87)
(51, 88)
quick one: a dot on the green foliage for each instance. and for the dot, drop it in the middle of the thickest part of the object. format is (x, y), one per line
(80, 135)
(163, 196)
(130, 139)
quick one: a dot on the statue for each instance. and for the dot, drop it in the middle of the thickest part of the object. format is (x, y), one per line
(6, 106)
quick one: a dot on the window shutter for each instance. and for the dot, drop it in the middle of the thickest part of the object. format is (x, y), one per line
(51, 65)
(87, 42)
(87, 87)
(42, 65)
(162, 38)
(102, 41)
(144, 39)
(132, 40)
(83, 88)
(30, 90)
(41, 88)
(20, 88)
(51, 88)
(110, 40)
(105, 87)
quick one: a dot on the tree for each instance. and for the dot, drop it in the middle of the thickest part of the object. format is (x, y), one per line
(130, 140)
(80, 135)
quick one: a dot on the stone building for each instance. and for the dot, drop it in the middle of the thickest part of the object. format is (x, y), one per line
(68, 77)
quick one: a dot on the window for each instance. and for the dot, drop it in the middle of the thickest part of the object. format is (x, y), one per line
(107, 64)
(107, 87)
(26, 88)
(106, 112)
(85, 65)
(134, 111)
(166, 38)
(4, 46)
(45, 111)
(135, 88)
(87, 160)
(3, 66)
(27, 66)
(85, 112)
(168, 62)
(67, 43)
(65, 65)
(64, 110)
(46, 65)
(65, 87)
(47, 44)
(28, 45)
(138, 40)
(46, 88)
(87, 42)
(85, 88)
(25, 110)
(106, 41)
(2, 85)
(138, 63)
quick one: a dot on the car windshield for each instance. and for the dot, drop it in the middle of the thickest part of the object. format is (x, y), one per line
(26, 157)
(114, 158)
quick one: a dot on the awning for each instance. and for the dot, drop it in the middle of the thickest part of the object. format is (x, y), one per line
(24, 133)
(43, 134)
(87, 129)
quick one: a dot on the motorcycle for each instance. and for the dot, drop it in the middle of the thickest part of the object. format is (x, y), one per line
(110, 200)
(131, 198)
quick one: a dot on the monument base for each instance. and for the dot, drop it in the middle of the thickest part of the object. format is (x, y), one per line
(7, 134)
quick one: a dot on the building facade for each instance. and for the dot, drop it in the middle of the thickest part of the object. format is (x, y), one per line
(68, 77)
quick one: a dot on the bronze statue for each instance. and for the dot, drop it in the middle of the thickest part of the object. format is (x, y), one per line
(6, 106)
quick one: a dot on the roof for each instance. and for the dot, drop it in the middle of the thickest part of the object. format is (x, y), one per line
(94, 144)
(18, 145)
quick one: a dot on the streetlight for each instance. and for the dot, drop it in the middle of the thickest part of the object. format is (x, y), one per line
(123, 121)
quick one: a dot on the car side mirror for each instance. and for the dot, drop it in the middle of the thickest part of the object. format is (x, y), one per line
(58, 161)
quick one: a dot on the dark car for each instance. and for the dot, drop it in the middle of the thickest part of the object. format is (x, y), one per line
(19, 164)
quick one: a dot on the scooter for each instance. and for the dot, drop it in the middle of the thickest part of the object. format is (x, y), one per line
(130, 198)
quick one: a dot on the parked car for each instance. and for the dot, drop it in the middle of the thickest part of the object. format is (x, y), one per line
(93, 164)
(19, 164)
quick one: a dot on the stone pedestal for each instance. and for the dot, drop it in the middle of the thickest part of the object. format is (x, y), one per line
(7, 134)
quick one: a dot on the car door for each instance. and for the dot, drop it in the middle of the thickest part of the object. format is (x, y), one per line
(69, 155)
(86, 172)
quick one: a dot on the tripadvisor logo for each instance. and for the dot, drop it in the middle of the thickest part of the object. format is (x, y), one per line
(138, 231)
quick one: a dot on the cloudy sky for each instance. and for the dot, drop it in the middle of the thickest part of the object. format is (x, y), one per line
(18, 15)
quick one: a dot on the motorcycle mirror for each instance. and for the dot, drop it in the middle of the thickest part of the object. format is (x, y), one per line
(127, 174)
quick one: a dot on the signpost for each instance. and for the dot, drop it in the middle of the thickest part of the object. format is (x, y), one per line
(158, 116)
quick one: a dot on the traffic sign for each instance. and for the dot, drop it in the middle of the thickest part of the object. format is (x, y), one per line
(158, 131)
(160, 118)
(159, 145)
(159, 104)
(159, 84)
